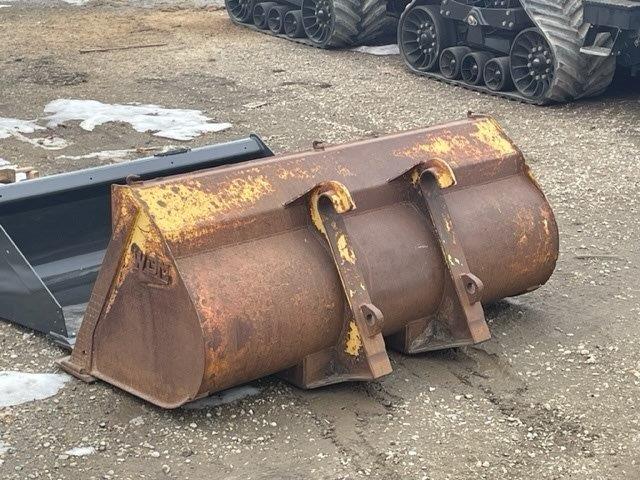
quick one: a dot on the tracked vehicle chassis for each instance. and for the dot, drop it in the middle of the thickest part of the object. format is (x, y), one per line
(514, 49)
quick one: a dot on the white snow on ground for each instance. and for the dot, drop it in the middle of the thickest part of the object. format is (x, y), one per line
(3, 162)
(222, 398)
(81, 451)
(14, 127)
(174, 123)
(4, 6)
(379, 50)
(4, 448)
(18, 387)
(10, 126)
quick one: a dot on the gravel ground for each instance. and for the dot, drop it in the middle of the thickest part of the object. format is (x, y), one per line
(554, 394)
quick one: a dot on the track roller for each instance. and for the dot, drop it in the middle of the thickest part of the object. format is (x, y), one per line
(240, 10)
(260, 12)
(451, 61)
(293, 24)
(275, 18)
(472, 67)
(422, 35)
(532, 63)
(497, 74)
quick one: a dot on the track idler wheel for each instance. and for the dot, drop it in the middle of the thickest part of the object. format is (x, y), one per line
(532, 63)
(422, 35)
(293, 27)
(240, 10)
(260, 12)
(451, 61)
(497, 74)
(275, 18)
(472, 67)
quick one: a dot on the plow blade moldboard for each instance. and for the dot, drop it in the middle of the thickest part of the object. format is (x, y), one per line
(311, 264)
(54, 232)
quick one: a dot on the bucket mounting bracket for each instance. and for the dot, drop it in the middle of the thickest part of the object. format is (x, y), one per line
(360, 352)
(460, 318)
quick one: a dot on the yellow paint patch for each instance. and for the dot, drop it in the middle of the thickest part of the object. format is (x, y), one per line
(340, 199)
(345, 251)
(297, 172)
(354, 341)
(490, 133)
(178, 209)
(448, 225)
(452, 260)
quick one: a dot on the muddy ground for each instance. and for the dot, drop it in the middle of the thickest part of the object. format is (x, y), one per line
(555, 394)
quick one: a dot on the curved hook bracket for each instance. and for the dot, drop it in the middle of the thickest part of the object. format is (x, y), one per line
(440, 170)
(336, 193)
(360, 352)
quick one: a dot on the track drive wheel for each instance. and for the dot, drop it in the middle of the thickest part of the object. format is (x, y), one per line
(331, 23)
(451, 61)
(240, 10)
(532, 63)
(422, 35)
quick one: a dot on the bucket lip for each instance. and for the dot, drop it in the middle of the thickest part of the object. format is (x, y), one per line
(471, 119)
(178, 402)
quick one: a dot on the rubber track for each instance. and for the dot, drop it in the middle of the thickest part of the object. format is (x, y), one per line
(576, 75)
(346, 26)
(360, 22)
(374, 21)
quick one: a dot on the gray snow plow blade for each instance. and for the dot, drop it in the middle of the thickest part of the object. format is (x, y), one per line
(54, 231)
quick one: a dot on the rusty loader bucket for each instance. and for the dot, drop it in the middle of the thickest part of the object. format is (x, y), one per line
(312, 264)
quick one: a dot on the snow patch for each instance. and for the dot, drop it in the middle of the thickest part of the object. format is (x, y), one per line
(5, 6)
(16, 128)
(4, 447)
(11, 126)
(379, 50)
(174, 123)
(3, 162)
(81, 451)
(18, 387)
(222, 398)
